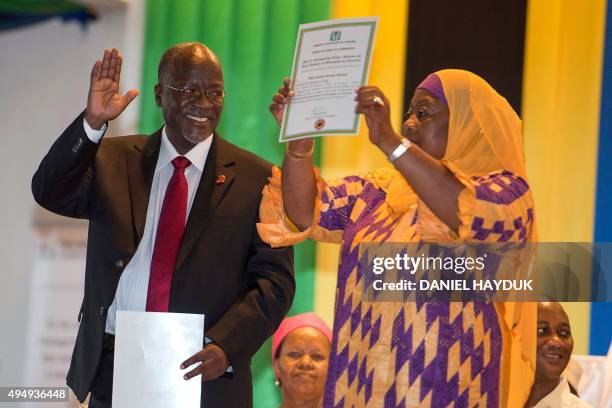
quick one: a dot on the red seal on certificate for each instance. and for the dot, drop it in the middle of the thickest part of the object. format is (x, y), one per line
(319, 124)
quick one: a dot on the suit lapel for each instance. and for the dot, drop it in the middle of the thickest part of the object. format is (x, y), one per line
(216, 180)
(141, 167)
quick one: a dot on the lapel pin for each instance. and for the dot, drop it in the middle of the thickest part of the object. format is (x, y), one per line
(220, 179)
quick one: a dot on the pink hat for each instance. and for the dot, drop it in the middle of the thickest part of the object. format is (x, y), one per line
(302, 320)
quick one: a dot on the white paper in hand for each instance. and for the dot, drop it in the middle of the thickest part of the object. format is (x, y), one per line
(332, 58)
(149, 349)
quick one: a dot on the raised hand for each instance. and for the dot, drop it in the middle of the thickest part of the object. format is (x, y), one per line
(374, 105)
(277, 108)
(104, 102)
(280, 100)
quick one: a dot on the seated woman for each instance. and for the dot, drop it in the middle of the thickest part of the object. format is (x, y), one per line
(300, 352)
(555, 345)
(459, 176)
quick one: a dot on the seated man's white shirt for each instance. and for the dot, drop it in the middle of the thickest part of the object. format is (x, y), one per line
(561, 397)
(591, 375)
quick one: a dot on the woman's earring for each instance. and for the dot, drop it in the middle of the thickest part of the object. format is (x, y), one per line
(277, 382)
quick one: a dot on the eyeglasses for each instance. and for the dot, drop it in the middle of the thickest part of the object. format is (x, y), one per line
(214, 94)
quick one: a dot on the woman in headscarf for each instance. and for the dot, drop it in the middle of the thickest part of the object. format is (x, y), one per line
(300, 355)
(459, 177)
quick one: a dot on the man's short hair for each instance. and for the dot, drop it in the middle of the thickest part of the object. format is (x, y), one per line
(166, 63)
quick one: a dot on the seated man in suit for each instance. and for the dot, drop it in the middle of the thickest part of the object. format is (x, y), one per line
(171, 226)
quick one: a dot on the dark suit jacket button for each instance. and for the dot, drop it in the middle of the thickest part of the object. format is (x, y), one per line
(101, 311)
(77, 145)
(119, 264)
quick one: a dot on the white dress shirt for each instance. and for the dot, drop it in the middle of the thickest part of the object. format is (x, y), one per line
(134, 282)
(561, 397)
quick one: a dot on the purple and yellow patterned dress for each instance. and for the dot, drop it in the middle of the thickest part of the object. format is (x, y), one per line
(407, 354)
(396, 354)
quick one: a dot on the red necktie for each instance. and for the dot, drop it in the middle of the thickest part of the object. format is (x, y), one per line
(170, 230)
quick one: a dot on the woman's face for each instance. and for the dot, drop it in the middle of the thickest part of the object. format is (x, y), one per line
(301, 365)
(555, 343)
(427, 123)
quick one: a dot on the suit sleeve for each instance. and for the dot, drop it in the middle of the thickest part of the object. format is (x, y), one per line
(63, 181)
(261, 307)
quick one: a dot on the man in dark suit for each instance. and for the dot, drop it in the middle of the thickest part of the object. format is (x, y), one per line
(171, 226)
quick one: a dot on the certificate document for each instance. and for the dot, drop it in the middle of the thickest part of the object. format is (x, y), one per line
(332, 58)
(149, 349)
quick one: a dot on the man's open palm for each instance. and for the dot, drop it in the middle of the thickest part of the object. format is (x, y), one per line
(104, 102)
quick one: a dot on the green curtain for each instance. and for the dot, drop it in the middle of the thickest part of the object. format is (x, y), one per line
(254, 39)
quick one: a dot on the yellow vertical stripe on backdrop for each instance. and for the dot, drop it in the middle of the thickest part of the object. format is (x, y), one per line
(561, 100)
(341, 155)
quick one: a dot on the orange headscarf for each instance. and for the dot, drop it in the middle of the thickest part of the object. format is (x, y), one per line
(484, 135)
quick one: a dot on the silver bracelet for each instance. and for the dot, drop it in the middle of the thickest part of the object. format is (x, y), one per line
(399, 150)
